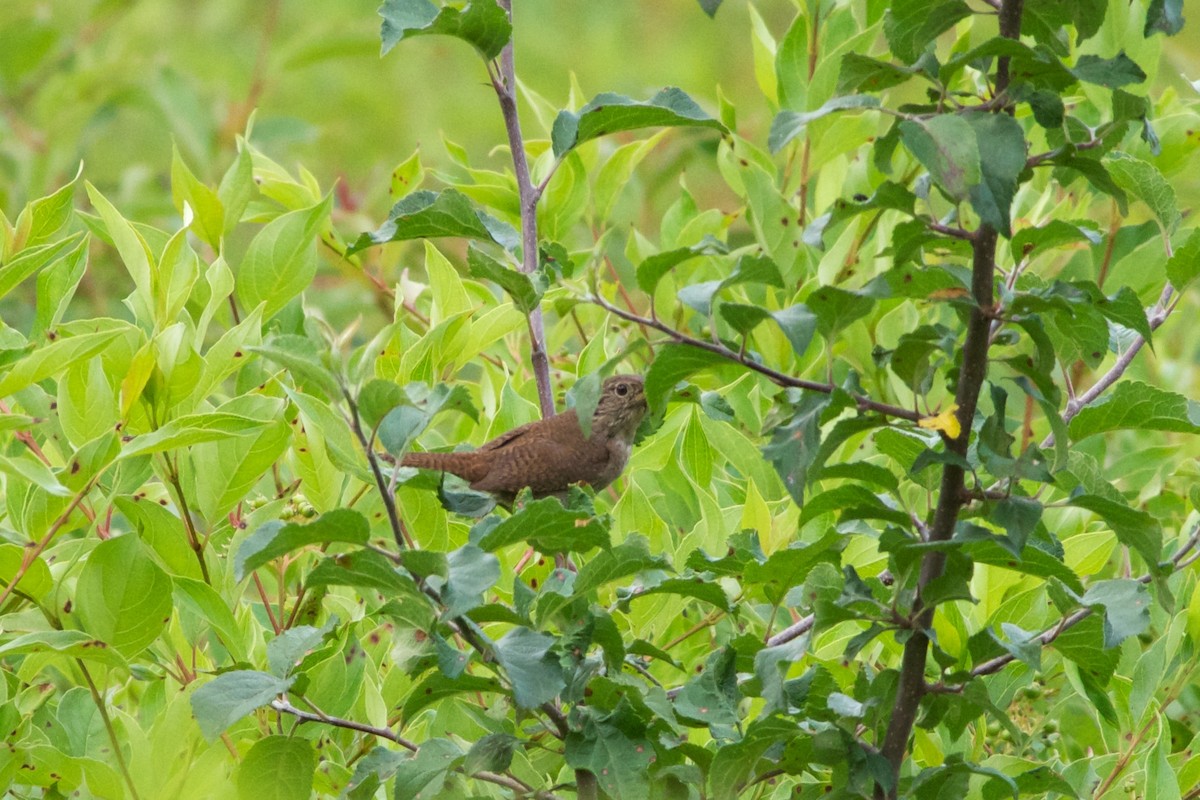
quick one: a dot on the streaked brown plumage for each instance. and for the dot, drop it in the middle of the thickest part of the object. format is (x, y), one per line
(550, 455)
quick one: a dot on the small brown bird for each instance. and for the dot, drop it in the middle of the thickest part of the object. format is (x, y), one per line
(550, 455)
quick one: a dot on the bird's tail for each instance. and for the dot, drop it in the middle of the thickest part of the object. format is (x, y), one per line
(460, 464)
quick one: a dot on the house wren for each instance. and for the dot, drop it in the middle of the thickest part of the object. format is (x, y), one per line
(550, 455)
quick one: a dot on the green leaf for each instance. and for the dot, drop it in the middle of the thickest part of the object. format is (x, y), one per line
(276, 538)
(697, 586)
(610, 113)
(787, 568)
(69, 644)
(286, 650)
(672, 364)
(1126, 608)
(481, 24)
(1124, 308)
(1084, 644)
(1164, 16)
(189, 430)
(123, 597)
(860, 73)
(532, 669)
(1120, 70)
(712, 698)
(492, 753)
(231, 696)
(795, 445)
(436, 686)
(424, 773)
(364, 569)
(549, 528)
(1134, 405)
(403, 424)
(1145, 182)
(303, 359)
(54, 358)
(797, 322)
(281, 260)
(1184, 264)
(652, 270)
(787, 124)
(748, 269)
(277, 768)
(1135, 529)
(206, 211)
(628, 558)
(836, 308)
(471, 573)
(31, 259)
(912, 25)
(525, 289)
(432, 215)
(947, 146)
(1002, 138)
(202, 600)
(618, 758)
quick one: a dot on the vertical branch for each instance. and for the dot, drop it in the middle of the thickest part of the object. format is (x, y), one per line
(912, 686)
(505, 84)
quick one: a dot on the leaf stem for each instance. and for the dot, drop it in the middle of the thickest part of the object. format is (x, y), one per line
(108, 726)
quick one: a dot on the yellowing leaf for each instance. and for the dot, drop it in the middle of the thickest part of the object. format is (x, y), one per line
(946, 422)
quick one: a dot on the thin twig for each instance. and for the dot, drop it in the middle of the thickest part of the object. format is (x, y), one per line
(780, 378)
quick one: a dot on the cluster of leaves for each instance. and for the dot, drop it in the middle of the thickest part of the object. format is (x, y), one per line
(880, 434)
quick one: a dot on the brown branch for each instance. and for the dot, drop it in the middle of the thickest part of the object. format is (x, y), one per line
(780, 378)
(504, 82)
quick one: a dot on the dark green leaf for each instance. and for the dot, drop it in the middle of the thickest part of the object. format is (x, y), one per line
(1084, 644)
(1164, 16)
(628, 558)
(609, 113)
(232, 695)
(698, 586)
(652, 270)
(861, 73)
(672, 364)
(436, 686)
(431, 215)
(787, 568)
(616, 754)
(424, 773)
(492, 753)
(1143, 180)
(912, 25)
(749, 269)
(1184, 264)
(471, 573)
(1120, 70)
(364, 569)
(947, 146)
(549, 528)
(275, 538)
(1126, 608)
(794, 445)
(1001, 137)
(287, 649)
(532, 669)
(525, 289)
(482, 24)
(1134, 405)
(836, 308)
(713, 697)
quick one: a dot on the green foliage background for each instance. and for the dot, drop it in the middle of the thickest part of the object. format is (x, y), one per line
(231, 550)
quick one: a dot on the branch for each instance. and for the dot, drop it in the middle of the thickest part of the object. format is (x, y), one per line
(504, 82)
(782, 379)
(507, 781)
(793, 631)
(389, 499)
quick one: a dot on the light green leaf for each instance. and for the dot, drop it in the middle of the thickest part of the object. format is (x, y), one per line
(277, 768)
(69, 644)
(281, 259)
(189, 430)
(912, 25)
(123, 597)
(1135, 529)
(1143, 180)
(424, 773)
(56, 357)
(32, 259)
(787, 125)
(1184, 264)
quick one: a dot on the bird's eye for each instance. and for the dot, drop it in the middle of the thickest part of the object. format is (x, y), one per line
(622, 389)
